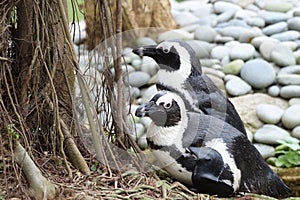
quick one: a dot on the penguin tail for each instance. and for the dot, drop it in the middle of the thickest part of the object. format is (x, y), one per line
(277, 188)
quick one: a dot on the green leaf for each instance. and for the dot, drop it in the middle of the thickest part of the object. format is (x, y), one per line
(293, 157)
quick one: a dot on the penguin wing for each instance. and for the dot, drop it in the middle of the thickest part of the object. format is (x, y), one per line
(212, 101)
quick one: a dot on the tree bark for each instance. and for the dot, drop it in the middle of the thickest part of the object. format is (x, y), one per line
(136, 14)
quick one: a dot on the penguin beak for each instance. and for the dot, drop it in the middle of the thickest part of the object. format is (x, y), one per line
(144, 110)
(145, 51)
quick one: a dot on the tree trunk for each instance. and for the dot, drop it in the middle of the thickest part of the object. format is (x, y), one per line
(136, 14)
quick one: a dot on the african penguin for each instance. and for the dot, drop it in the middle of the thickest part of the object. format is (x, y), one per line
(205, 152)
(180, 71)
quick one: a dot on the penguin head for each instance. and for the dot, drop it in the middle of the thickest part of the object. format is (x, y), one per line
(166, 109)
(172, 55)
(209, 164)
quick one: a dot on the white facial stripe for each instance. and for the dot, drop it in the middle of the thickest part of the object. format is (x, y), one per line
(167, 98)
(219, 145)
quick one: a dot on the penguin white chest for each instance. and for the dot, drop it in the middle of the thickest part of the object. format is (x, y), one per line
(172, 166)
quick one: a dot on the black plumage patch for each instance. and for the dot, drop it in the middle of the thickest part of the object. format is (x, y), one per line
(169, 61)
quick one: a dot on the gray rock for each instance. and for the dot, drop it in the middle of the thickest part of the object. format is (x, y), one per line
(294, 24)
(269, 114)
(242, 51)
(219, 52)
(221, 6)
(140, 130)
(255, 21)
(290, 44)
(136, 63)
(288, 79)
(270, 134)
(237, 87)
(244, 14)
(290, 91)
(146, 121)
(250, 34)
(266, 49)
(278, 6)
(201, 48)
(296, 132)
(246, 107)
(283, 56)
(218, 82)
(134, 92)
(257, 41)
(291, 118)
(274, 91)
(233, 67)
(138, 79)
(294, 69)
(232, 23)
(233, 31)
(258, 73)
(275, 28)
(223, 39)
(144, 41)
(225, 16)
(205, 33)
(286, 36)
(148, 93)
(190, 28)
(150, 68)
(142, 142)
(272, 17)
(294, 101)
(175, 34)
(185, 19)
(265, 151)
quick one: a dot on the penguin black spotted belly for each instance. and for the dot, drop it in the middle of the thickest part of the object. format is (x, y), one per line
(205, 152)
(180, 72)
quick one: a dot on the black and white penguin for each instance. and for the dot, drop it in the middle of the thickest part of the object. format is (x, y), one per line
(205, 152)
(180, 71)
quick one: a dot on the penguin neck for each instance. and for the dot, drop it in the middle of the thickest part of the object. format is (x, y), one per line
(167, 136)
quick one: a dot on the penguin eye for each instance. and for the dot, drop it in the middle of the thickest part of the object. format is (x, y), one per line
(166, 50)
(167, 105)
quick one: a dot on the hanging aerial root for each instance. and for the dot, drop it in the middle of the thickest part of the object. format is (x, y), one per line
(40, 187)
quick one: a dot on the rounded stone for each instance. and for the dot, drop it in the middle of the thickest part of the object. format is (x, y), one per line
(274, 91)
(233, 31)
(222, 6)
(242, 51)
(150, 68)
(202, 49)
(142, 142)
(270, 134)
(294, 101)
(278, 6)
(257, 41)
(272, 17)
(283, 56)
(144, 41)
(296, 132)
(138, 79)
(290, 91)
(269, 114)
(175, 34)
(219, 52)
(233, 67)
(237, 87)
(148, 93)
(294, 24)
(286, 36)
(291, 117)
(185, 19)
(205, 33)
(255, 21)
(265, 151)
(266, 49)
(275, 28)
(288, 79)
(258, 73)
